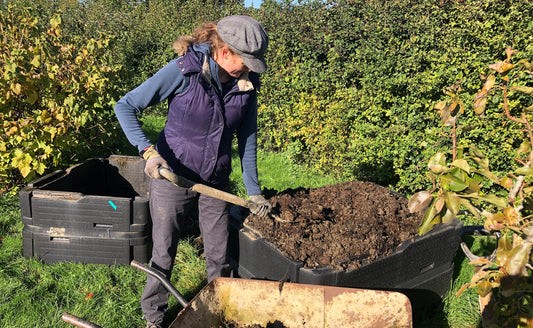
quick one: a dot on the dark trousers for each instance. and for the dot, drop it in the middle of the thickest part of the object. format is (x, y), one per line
(169, 205)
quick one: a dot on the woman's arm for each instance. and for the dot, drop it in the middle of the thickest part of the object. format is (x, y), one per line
(247, 141)
(157, 88)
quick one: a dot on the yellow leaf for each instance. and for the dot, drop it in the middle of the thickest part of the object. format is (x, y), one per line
(440, 105)
(53, 131)
(517, 259)
(480, 103)
(55, 21)
(439, 204)
(510, 215)
(479, 262)
(506, 182)
(489, 83)
(501, 67)
(484, 288)
(22, 162)
(25, 170)
(36, 61)
(40, 168)
(16, 88)
(12, 131)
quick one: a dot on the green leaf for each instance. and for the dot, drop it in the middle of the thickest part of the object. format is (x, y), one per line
(437, 163)
(471, 208)
(483, 162)
(522, 89)
(430, 218)
(476, 152)
(488, 174)
(524, 147)
(437, 169)
(493, 199)
(527, 171)
(437, 159)
(473, 185)
(453, 202)
(453, 183)
(462, 164)
(448, 216)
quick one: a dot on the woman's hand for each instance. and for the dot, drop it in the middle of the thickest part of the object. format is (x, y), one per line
(263, 206)
(153, 162)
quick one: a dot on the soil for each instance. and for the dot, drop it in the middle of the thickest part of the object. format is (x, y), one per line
(342, 226)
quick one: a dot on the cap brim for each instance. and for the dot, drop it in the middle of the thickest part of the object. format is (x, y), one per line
(257, 65)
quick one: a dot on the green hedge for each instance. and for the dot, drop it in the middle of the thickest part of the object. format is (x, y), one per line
(352, 84)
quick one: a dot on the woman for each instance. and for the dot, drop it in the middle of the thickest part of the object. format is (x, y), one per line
(212, 93)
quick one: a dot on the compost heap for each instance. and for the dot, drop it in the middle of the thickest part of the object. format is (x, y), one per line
(342, 226)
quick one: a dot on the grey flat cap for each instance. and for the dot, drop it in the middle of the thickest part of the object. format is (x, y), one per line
(246, 37)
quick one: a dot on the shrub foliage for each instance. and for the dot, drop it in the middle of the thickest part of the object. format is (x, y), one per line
(351, 83)
(55, 95)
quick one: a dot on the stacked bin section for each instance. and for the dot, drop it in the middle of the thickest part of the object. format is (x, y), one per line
(93, 212)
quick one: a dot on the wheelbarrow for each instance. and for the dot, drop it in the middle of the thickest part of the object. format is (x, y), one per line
(235, 302)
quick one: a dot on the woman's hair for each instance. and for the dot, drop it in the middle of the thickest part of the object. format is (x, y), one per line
(206, 33)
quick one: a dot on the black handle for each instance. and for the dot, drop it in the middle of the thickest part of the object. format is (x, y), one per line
(161, 277)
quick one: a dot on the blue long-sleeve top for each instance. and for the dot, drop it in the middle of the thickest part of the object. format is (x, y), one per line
(170, 81)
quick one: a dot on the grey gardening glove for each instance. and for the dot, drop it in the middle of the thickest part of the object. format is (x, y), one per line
(153, 162)
(263, 206)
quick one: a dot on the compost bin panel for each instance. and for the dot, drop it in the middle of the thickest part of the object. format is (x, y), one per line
(93, 212)
(65, 248)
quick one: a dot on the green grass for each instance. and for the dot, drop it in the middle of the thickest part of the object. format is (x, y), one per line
(275, 172)
(34, 294)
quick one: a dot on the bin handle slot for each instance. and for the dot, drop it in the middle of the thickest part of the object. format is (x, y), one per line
(427, 267)
(60, 239)
(102, 226)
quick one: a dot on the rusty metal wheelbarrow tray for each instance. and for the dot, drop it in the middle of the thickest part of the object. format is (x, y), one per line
(246, 302)
(239, 302)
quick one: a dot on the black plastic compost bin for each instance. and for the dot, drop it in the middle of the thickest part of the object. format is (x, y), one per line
(421, 268)
(93, 212)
